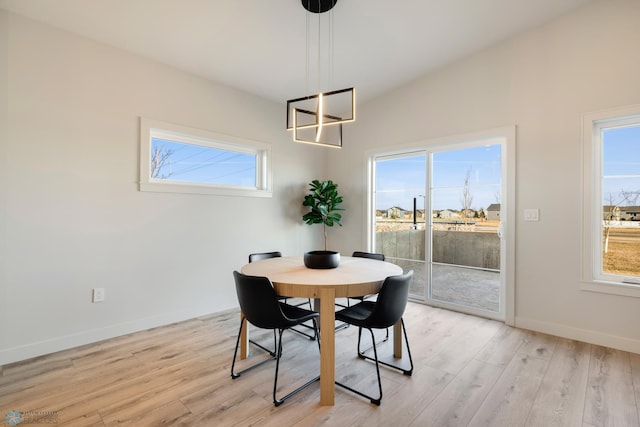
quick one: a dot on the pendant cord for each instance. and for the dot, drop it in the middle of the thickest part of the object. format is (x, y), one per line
(319, 53)
(331, 40)
(329, 49)
(307, 49)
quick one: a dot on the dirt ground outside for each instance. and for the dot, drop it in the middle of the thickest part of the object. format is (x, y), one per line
(623, 257)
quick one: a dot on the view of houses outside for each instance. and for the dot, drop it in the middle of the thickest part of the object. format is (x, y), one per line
(397, 218)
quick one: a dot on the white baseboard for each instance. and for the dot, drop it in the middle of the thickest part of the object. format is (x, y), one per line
(52, 345)
(584, 335)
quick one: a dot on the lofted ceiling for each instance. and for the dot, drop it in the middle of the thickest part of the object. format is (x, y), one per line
(260, 46)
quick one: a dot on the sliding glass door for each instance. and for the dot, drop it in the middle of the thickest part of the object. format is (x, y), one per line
(440, 211)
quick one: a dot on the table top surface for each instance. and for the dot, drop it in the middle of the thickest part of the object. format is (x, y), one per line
(351, 271)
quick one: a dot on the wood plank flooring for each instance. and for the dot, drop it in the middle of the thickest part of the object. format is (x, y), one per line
(468, 371)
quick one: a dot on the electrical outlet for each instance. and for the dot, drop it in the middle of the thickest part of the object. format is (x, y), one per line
(98, 295)
(531, 214)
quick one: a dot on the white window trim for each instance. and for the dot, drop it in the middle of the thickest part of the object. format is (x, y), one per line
(592, 203)
(149, 128)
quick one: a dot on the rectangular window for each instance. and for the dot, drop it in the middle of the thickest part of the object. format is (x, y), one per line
(611, 261)
(186, 160)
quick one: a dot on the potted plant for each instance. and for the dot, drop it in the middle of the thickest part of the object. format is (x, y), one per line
(323, 201)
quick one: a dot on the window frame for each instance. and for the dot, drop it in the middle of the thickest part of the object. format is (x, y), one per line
(150, 129)
(592, 276)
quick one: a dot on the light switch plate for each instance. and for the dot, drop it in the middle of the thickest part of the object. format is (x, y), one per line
(532, 214)
(98, 295)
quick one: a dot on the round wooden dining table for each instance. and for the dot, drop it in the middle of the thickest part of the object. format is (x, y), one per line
(354, 277)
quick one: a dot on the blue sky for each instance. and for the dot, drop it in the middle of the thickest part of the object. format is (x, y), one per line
(197, 163)
(621, 165)
(399, 180)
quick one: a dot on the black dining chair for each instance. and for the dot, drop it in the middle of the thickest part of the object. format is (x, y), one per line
(370, 255)
(258, 256)
(383, 313)
(260, 307)
(361, 254)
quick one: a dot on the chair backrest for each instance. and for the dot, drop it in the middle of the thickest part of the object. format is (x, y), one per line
(258, 302)
(391, 302)
(263, 255)
(359, 254)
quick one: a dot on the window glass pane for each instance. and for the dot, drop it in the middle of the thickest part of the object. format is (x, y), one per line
(177, 161)
(398, 181)
(400, 198)
(467, 181)
(620, 200)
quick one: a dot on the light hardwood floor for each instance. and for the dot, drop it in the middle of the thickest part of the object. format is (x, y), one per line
(468, 372)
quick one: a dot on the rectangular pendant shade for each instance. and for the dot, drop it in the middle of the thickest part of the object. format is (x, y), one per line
(324, 135)
(317, 119)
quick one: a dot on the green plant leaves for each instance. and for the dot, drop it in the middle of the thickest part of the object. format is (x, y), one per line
(323, 200)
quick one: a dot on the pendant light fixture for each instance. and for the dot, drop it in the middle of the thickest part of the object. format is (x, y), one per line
(318, 118)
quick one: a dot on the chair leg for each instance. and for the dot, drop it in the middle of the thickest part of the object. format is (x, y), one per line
(342, 325)
(386, 338)
(298, 331)
(312, 337)
(276, 401)
(234, 374)
(374, 400)
(338, 327)
(271, 352)
(362, 355)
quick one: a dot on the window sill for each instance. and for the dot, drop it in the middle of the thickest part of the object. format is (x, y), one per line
(615, 288)
(203, 189)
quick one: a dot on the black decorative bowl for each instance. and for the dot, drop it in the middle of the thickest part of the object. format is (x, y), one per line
(322, 260)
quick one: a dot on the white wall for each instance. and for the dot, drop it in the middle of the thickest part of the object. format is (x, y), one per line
(71, 215)
(542, 82)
